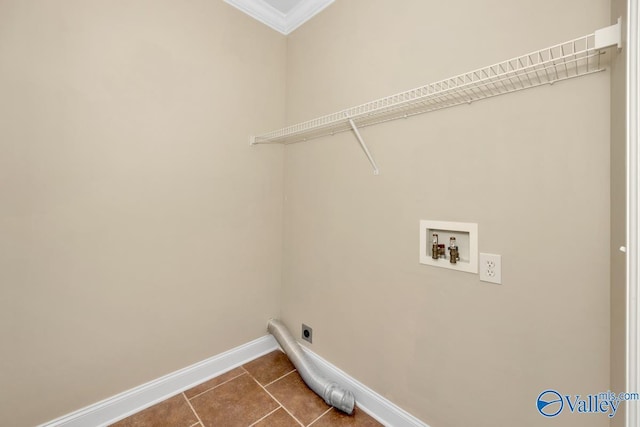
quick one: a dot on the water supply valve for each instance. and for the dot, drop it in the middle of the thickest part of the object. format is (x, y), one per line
(451, 245)
(454, 253)
(437, 250)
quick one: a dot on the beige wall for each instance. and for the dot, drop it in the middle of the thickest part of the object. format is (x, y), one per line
(531, 168)
(139, 233)
(618, 214)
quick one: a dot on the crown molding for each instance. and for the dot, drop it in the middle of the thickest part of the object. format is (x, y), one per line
(303, 12)
(283, 23)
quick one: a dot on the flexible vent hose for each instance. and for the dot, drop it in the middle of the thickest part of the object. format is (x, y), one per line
(330, 391)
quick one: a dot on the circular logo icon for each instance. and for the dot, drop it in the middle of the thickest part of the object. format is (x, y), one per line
(550, 403)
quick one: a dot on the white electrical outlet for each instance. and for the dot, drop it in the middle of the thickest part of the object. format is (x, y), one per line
(491, 268)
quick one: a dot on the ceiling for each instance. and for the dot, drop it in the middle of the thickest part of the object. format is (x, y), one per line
(283, 16)
(284, 6)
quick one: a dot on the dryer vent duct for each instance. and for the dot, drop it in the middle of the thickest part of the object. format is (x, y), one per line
(330, 391)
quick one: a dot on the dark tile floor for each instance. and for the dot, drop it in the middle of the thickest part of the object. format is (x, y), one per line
(266, 392)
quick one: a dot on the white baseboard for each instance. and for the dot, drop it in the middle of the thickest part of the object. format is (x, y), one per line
(129, 402)
(366, 399)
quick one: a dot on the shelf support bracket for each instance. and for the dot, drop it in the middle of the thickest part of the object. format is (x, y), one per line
(609, 36)
(376, 171)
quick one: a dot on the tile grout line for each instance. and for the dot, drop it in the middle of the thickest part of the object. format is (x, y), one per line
(278, 379)
(266, 415)
(321, 415)
(279, 403)
(216, 386)
(193, 409)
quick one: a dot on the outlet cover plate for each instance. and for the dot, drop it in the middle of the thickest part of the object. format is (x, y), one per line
(491, 268)
(307, 333)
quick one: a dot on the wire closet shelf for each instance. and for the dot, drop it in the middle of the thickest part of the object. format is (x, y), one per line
(574, 58)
